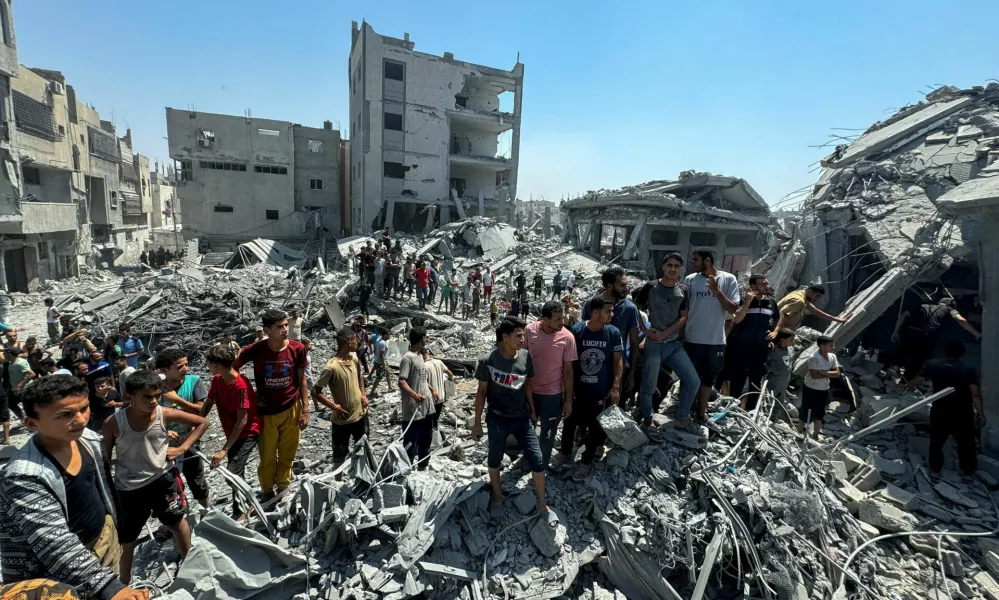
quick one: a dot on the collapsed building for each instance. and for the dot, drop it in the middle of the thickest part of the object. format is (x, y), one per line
(637, 226)
(896, 219)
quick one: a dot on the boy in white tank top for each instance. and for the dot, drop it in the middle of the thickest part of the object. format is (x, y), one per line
(147, 480)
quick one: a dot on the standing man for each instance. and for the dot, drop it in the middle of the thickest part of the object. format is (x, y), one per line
(52, 315)
(409, 278)
(668, 302)
(379, 273)
(434, 282)
(794, 306)
(521, 282)
(539, 285)
(188, 393)
(570, 283)
(504, 377)
(713, 293)
(295, 325)
(438, 375)
(953, 415)
(392, 279)
(422, 276)
(131, 346)
(347, 400)
(822, 366)
(557, 285)
(598, 379)
(552, 350)
(445, 293)
(453, 302)
(616, 290)
(918, 337)
(380, 345)
(283, 397)
(417, 401)
(369, 265)
(487, 284)
(476, 294)
(748, 346)
(363, 296)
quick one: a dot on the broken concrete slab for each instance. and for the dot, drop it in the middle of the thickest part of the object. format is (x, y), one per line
(951, 493)
(394, 514)
(886, 517)
(103, 300)
(526, 502)
(549, 540)
(447, 571)
(620, 429)
(987, 585)
(899, 497)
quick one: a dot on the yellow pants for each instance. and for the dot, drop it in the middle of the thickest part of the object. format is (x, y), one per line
(278, 444)
(105, 546)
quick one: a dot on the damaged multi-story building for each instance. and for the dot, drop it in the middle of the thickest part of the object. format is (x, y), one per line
(639, 225)
(901, 216)
(432, 138)
(242, 177)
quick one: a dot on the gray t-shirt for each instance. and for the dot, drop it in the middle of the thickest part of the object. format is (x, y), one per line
(665, 304)
(413, 370)
(705, 314)
(505, 395)
(779, 363)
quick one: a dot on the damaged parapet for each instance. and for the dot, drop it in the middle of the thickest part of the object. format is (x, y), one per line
(871, 226)
(639, 225)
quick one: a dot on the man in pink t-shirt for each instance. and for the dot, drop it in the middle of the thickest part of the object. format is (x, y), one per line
(552, 349)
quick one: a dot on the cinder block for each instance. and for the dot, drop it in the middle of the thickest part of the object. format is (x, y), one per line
(388, 495)
(899, 497)
(866, 479)
(886, 517)
(394, 515)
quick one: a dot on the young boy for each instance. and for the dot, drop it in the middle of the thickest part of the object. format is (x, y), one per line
(104, 401)
(188, 393)
(822, 367)
(340, 387)
(59, 519)
(308, 361)
(779, 363)
(493, 311)
(52, 315)
(123, 371)
(147, 480)
(232, 392)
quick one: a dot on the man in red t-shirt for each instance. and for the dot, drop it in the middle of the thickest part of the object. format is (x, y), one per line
(282, 399)
(233, 394)
(422, 275)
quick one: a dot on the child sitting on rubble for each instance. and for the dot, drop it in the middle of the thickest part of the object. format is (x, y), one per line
(779, 363)
(59, 515)
(232, 393)
(147, 480)
(822, 367)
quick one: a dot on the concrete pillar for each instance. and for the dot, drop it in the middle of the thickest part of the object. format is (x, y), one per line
(837, 247)
(520, 220)
(518, 100)
(445, 213)
(988, 268)
(547, 222)
(482, 204)
(596, 230)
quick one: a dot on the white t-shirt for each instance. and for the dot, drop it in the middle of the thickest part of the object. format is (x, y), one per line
(705, 314)
(50, 315)
(571, 282)
(487, 278)
(819, 363)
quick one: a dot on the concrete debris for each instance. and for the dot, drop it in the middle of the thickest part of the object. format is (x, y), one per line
(620, 429)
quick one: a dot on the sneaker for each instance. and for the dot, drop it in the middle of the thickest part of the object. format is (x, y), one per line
(652, 432)
(708, 424)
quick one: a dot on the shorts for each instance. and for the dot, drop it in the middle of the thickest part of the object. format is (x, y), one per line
(162, 498)
(500, 428)
(813, 404)
(708, 360)
(487, 290)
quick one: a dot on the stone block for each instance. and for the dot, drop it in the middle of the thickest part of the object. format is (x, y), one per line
(889, 467)
(851, 460)
(935, 511)
(388, 495)
(689, 440)
(991, 560)
(549, 540)
(989, 465)
(838, 469)
(987, 478)
(620, 429)
(866, 479)
(526, 502)
(853, 496)
(886, 517)
(394, 515)
(951, 493)
(869, 530)
(899, 497)
(927, 546)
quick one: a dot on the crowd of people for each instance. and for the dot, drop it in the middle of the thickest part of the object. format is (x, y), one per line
(118, 436)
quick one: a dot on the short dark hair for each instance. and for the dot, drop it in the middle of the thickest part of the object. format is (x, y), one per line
(50, 390)
(141, 380)
(417, 335)
(818, 289)
(272, 316)
(101, 380)
(168, 356)
(822, 340)
(550, 308)
(48, 362)
(598, 302)
(674, 256)
(611, 275)
(507, 326)
(221, 354)
(640, 295)
(77, 364)
(754, 279)
(954, 350)
(784, 333)
(121, 358)
(49, 302)
(125, 326)
(705, 254)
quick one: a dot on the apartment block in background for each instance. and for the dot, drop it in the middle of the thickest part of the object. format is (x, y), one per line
(240, 178)
(431, 137)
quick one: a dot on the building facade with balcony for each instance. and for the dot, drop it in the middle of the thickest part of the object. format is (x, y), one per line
(431, 137)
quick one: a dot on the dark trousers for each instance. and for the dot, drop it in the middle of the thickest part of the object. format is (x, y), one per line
(362, 305)
(418, 439)
(747, 362)
(194, 474)
(916, 348)
(584, 415)
(9, 402)
(237, 457)
(556, 292)
(945, 422)
(390, 283)
(363, 357)
(342, 434)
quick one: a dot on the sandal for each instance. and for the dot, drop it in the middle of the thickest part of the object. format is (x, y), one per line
(551, 518)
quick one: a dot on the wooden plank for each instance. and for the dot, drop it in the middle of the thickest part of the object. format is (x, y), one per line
(710, 555)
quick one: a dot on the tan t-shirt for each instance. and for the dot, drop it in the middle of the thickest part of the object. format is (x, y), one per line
(341, 378)
(793, 307)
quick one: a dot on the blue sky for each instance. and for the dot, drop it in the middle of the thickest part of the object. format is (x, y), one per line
(616, 93)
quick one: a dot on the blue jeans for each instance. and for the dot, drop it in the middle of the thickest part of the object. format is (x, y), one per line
(500, 428)
(421, 297)
(673, 354)
(549, 407)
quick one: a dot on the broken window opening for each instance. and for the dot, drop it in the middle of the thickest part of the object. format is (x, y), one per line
(703, 238)
(205, 138)
(395, 71)
(395, 170)
(664, 237)
(458, 184)
(5, 24)
(741, 240)
(315, 184)
(76, 158)
(114, 199)
(184, 170)
(272, 215)
(31, 175)
(393, 121)
(221, 166)
(128, 236)
(461, 101)
(316, 146)
(223, 208)
(43, 250)
(273, 170)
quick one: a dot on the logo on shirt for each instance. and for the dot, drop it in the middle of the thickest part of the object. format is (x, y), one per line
(591, 361)
(277, 373)
(507, 380)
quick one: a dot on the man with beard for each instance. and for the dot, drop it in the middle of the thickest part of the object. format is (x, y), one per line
(748, 346)
(552, 349)
(713, 293)
(625, 319)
